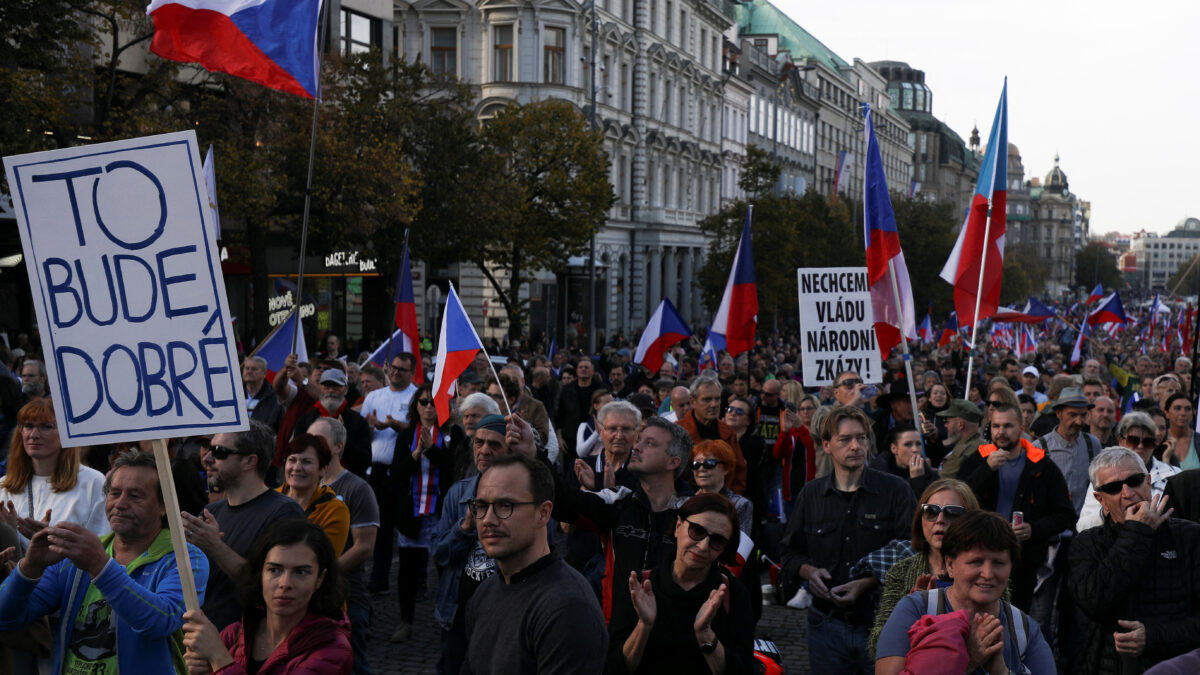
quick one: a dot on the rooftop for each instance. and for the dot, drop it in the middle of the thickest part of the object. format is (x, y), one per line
(760, 17)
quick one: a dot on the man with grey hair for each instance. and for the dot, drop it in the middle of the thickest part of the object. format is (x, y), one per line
(33, 380)
(618, 422)
(1136, 432)
(471, 409)
(261, 401)
(704, 423)
(635, 524)
(1135, 577)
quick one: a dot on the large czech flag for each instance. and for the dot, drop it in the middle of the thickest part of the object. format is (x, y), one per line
(458, 344)
(736, 321)
(1110, 310)
(269, 42)
(664, 329)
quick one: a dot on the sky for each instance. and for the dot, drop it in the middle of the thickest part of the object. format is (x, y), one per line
(1113, 88)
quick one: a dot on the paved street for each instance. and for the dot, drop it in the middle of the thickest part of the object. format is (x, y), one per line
(418, 656)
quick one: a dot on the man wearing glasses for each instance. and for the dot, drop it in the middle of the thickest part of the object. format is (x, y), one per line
(1135, 575)
(1136, 432)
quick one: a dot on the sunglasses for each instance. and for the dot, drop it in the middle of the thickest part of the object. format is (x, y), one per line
(850, 383)
(930, 512)
(424, 401)
(1144, 441)
(699, 533)
(1133, 480)
(709, 464)
(736, 412)
(222, 452)
(993, 404)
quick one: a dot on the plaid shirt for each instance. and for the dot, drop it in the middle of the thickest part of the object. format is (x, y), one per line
(877, 563)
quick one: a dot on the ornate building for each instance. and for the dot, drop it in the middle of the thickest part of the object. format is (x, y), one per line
(1058, 227)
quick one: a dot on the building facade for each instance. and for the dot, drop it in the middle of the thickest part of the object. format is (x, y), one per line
(1160, 258)
(1058, 228)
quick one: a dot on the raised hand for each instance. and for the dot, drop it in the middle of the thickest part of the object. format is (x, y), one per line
(1152, 513)
(644, 602)
(704, 618)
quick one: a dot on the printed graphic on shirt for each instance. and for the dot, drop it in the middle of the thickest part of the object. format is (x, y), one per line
(93, 643)
(479, 566)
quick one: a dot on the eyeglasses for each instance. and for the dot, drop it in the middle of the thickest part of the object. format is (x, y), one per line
(424, 401)
(849, 383)
(930, 512)
(993, 404)
(222, 452)
(709, 464)
(736, 412)
(503, 510)
(1144, 441)
(44, 427)
(699, 533)
(1133, 480)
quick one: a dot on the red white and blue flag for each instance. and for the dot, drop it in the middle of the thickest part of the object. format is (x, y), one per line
(458, 343)
(406, 314)
(925, 329)
(736, 321)
(269, 42)
(1026, 343)
(1097, 294)
(965, 268)
(950, 332)
(276, 346)
(1077, 352)
(886, 270)
(1110, 310)
(1033, 312)
(664, 329)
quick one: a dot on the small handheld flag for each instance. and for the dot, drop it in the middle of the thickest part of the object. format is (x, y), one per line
(664, 329)
(276, 346)
(457, 346)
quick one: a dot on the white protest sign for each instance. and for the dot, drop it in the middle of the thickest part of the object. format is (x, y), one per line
(837, 325)
(128, 290)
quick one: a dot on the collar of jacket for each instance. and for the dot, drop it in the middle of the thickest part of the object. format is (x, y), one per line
(1034, 453)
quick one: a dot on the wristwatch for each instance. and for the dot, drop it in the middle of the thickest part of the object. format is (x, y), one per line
(707, 648)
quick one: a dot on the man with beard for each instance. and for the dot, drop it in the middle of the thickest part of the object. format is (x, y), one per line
(121, 590)
(1070, 446)
(334, 403)
(236, 464)
(1010, 474)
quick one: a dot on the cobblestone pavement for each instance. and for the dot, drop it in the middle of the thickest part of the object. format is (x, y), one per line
(784, 626)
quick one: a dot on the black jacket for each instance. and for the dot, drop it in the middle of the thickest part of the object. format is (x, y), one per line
(404, 466)
(1129, 571)
(1183, 489)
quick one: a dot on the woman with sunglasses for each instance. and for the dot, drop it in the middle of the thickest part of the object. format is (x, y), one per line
(712, 470)
(940, 503)
(979, 549)
(307, 456)
(422, 470)
(689, 615)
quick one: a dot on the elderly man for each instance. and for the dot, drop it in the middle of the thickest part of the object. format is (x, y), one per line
(1069, 445)
(1135, 577)
(33, 380)
(619, 423)
(119, 596)
(680, 402)
(334, 403)
(1102, 419)
(261, 401)
(1137, 433)
(471, 408)
(1091, 368)
(704, 423)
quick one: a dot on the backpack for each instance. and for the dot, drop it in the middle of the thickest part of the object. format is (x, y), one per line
(1087, 441)
(1018, 621)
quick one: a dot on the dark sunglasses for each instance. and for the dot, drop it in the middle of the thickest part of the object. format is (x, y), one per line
(992, 404)
(1144, 441)
(424, 401)
(737, 412)
(709, 464)
(849, 383)
(698, 533)
(222, 452)
(1133, 480)
(931, 512)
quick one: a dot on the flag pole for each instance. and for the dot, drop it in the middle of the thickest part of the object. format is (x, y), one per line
(312, 151)
(912, 385)
(396, 300)
(987, 227)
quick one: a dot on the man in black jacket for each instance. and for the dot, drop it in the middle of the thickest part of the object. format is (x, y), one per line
(1136, 577)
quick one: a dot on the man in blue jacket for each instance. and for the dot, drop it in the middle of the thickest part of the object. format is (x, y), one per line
(119, 596)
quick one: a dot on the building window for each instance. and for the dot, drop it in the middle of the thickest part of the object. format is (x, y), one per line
(443, 51)
(359, 33)
(502, 53)
(554, 55)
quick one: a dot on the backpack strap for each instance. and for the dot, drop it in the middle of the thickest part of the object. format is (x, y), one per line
(1018, 626)
(1091, 449)
(931, 602)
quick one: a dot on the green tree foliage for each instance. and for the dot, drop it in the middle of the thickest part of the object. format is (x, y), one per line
(759, 173)
(1029, 279)
(1096, 264)
(557, 175)
(1186, 280)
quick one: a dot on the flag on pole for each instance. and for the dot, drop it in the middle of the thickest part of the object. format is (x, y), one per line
(950, 332)
(1097, 294)
(886, 270)
(664, 329)
(965, 268)
(1033, 312)
(841, 179)
(269, 42)
(925, 330)
(736, 321)
(1027, 343)
(276, 346)
(406, 315)
(210, 182)
(1077, 352)
(458, 344)
(393, 346)
(1110, 310)
(1155, 308)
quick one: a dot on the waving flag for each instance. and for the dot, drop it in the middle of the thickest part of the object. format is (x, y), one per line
(664, 329)
(736, 321)
(276, 346)
(950, 332)
(1033, 312)
(1110, 310)
(1026, 344)
(406, 314)
(886, 270)
(841, 178)
(457, 346)
(965, 268)
(1077, 352)
(1097, 294)
(269, 42)
(925, 330)
(1155, 308)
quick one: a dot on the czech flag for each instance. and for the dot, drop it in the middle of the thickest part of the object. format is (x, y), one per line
(1097, 293)
(406, 314)
(1026, 343)
(1077, 352)
(458, 344)
(665, 328)
(886, 270)
(950, 331)
(276, 346)
(925, 330)
(269, 42)
(1109, 311)
(1033, 312)
(966, 268)
(736, 321)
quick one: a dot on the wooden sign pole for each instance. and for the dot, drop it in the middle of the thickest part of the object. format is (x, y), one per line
(175, 522)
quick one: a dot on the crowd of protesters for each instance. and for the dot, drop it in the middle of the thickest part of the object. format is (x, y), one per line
(583, 514)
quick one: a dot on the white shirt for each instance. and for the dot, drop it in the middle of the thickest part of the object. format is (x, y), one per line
(82, 504)
(1092, 515)
(383, 402)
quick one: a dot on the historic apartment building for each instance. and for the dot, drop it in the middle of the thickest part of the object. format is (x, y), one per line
(1059, 227)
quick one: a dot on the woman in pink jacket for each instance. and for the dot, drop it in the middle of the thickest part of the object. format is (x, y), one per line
(292, 620)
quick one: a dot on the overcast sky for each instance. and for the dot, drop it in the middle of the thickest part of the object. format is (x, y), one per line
(1113, 88)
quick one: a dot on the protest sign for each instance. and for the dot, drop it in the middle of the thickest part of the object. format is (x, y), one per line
(130, 300)
(837, 325)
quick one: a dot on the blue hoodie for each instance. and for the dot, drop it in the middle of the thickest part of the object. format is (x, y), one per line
(147, 603)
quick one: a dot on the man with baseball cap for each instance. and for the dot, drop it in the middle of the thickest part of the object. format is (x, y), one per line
(1070, 445)
(1029, 382)
(334, 403)
(962, 431)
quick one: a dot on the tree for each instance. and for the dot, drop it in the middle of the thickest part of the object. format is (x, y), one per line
(558, 193)
(1186, 280)
(1032, 279)
(760, 174)
(927, 236)
(1096, 264)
